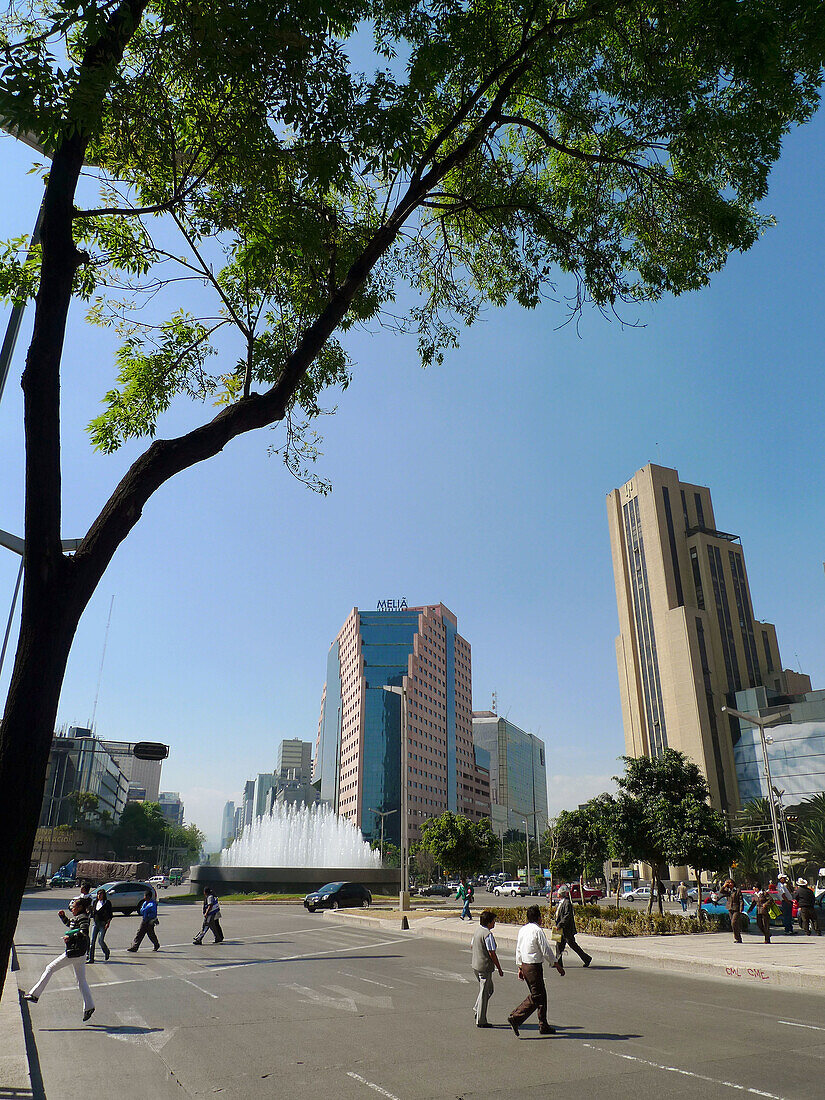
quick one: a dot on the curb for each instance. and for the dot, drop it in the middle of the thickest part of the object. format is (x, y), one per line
(730, 967)
(15, 1079)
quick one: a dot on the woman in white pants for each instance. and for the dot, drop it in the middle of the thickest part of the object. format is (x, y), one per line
(77, 944)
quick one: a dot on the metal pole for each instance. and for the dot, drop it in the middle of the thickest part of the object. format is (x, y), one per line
(527, 834)
(774, 824)
(405, 845)
(11, 614)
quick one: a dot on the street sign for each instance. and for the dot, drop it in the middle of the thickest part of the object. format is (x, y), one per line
(150, 750)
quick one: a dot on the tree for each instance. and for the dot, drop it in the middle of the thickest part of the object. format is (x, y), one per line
(187, 839)
(462, 847)
(141, 825)
(392, 853)
(753, 857)
(583, 840)
(622, 148)
(423, 862)
(662, 815)
(84, 804)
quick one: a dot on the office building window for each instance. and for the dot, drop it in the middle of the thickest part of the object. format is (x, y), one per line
(714, 729)
(720, 594)
(697, 578)
(674, 556)
(740, 589)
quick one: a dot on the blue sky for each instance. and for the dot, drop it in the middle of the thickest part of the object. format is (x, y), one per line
(479, 483)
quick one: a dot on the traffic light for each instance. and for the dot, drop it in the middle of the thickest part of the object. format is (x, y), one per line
(150, 750)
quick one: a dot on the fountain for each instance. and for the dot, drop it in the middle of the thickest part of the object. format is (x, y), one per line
(296, 849)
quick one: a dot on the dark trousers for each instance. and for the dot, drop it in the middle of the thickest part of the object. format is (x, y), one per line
(736, 926)
(536, 999)
(763, 923)
(807, 918)
(787, 916)
(147, 928)
(569, 940)
(215, 925)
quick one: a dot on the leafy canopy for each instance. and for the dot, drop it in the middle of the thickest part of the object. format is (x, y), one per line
(460, 846)
(303, 162)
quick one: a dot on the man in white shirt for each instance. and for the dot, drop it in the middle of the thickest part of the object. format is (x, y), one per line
(785, 903)
(532, 949)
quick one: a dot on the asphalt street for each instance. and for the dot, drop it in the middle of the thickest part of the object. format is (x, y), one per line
(293, 1005)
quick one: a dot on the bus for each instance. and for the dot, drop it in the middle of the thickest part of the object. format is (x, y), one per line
(176, 875)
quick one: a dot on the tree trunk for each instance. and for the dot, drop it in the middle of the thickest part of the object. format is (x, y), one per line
(46, 635)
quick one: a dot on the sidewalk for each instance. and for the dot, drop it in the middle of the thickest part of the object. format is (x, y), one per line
(14, 1062)
(790, 962)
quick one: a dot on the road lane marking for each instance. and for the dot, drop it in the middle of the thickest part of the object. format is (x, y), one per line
(371, 1085)
(307, 955)
(214, 996)
(156, 1038)
(370, 981)
(685, 1073)
(810, 1027)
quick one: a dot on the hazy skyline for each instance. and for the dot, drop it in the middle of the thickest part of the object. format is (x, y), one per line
(479, 483)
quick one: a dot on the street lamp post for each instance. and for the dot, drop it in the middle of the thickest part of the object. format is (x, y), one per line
(404, 897)
(761, 723)
(527, 835)
(382, 815)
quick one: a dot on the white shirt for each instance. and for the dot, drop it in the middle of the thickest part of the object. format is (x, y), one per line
(490, 941)
(532, 946)
(784, 892)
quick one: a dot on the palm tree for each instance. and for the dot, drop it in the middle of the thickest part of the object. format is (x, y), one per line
(755, 813)
(812, 841)
(753, 857)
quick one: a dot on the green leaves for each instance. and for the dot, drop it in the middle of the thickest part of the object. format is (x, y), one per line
(458, 845)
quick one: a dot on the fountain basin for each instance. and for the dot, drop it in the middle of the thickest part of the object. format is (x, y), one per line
(290, 880)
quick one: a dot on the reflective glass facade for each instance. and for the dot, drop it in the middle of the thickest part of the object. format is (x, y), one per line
(518, 773)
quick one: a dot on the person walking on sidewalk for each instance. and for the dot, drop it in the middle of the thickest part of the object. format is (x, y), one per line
(532, 949)
(484, 960)
(211, 918)
(565, 921)
(734, 898)
(465, 893)
(785, 903)
(805, 898)
(102, 914)
(763, 903)
(682, 895)
(77, 944)
(148, 920)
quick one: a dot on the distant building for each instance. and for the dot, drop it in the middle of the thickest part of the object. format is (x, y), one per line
(518, 773)
(797, 750)
(228, 824)
(248, 803)
(264, 783)
(294, 760)
(358, 753)
(171, 807)
(78, 762)
(238, 821)
(139, 773)
(688, 639)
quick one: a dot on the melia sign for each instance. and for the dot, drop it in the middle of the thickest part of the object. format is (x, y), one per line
(392, 605)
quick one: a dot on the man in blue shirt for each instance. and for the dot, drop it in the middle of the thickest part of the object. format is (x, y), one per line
(149, 918)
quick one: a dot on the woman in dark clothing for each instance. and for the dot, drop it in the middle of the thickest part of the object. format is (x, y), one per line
(102, 914)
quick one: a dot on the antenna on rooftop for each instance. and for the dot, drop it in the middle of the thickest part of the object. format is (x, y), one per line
(495, 703)
(102, 659)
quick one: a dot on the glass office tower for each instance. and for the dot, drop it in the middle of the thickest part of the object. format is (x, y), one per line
(358, 750)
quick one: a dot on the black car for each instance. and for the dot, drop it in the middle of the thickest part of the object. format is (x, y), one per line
(437, 889)
(339, 895)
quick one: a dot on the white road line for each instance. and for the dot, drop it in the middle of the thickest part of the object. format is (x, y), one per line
(810, 1027)
(371, 1085)
(214, 996)
(685, 1073)
(371, 981)
(307, 955)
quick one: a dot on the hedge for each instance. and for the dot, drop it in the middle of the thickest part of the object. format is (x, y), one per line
(597, 921)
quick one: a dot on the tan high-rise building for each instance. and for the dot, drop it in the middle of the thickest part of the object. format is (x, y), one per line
(687, 639)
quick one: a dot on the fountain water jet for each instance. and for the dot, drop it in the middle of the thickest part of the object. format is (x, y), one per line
(296, 849)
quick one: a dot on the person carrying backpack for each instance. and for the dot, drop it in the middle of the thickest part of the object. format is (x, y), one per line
(77, 944)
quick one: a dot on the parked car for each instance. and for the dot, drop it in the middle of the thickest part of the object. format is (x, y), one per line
(513, 888)
(719, 909)
(590, 894)
(160, 882)
(641, 893)
(339, 895)
(127, 897)
(60, 878)
(435, 888)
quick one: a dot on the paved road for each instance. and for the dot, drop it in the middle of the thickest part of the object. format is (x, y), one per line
(293, 1005)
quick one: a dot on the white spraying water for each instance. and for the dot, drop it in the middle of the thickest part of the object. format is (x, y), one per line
(300, 836)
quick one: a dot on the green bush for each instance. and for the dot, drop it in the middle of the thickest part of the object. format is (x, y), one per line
(595, 921)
